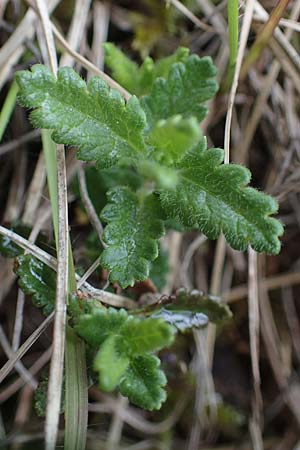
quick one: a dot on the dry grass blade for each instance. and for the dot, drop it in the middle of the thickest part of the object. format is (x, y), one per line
(10, 390)
(7, 368)
(57, 360)
(88, 290)
(253, 308)
(241, 51)
(76, 29)
(20, 368)
(186, 12)
(271, 283)
(89, 207)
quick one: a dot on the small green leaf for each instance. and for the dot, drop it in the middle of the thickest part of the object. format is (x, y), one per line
(110, 363)
(101, 324)
(143, 382)
(164, 177)
(145, 336)
(139, 80)
(124, 70)
(134, 227)
(40, 398)
(186, 310)
(214, 198)
(187, 87)
(122, 359)
(173, 137)
(92, 117)
(38, 280)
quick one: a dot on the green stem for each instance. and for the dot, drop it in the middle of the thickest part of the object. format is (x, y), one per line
(76, 398)
(8, 107)
(233, 35)
(75, 363)
(49, 149)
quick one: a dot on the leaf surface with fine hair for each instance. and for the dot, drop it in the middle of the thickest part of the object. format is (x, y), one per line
(91, 116)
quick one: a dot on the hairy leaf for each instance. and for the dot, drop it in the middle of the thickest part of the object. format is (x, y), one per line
(110, 363)
(138, 80)
(38, 280)
(187, 87)
(92, 117)
(162, 176)
(214, 198)
(134, 226)
(101, 324)
(145, 336)
(186, 310)
(143, 382)
(122, 359)
(173, 137)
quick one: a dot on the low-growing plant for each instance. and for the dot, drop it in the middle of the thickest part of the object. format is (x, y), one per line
(161, 174)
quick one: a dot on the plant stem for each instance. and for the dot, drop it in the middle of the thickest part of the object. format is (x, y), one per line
(75, 365)
(8, 107)
(76, 409)
(264, 36)
(76, 398)
(49, 149)
(233, 31)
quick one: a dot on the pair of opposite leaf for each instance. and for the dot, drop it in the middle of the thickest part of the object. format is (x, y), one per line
(158, 137)
(124, 343)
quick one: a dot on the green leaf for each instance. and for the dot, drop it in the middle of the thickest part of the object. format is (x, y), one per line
(145, 336)
(173, 137)
(92, 117)
(139, 80)
(110, 363)
(38, 280)
(124, 342)
(143, 382)
(40, 397)
(214, 198)
(134, 227)
(102, 323)
(186, 310)
(124, 70)
(164, 177)
(187, 87)
(160, 269)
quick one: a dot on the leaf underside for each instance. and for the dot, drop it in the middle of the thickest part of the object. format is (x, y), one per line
(186, 310)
